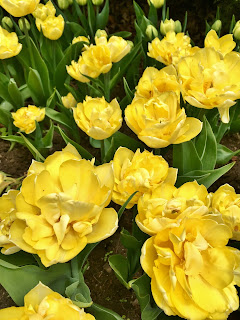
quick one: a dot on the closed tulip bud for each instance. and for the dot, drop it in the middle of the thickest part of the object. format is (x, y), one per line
(217, 25)
(151, 32)
(237, 25)
(157, 3)
(236, 33)
(21, 24)
(82, 2)
(178, 26)
(166, 26)
(100, 33)
(97, 2)
(63, 4)
(131, 44)
(7, 23)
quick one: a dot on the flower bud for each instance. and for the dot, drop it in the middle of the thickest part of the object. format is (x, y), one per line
(7, 23)
(63, 4)
(151, 32)
(97, 2)
(82, 2)
(100, 33)
(21, 24)
(217, 25)
(130, 43)
(157, 3)
(178, 26)
(236, 33)
(166, 26)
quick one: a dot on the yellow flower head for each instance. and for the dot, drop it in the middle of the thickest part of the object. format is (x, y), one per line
(209, 80)
(138, 172)
(227, 202)
(7, 217)
(43, 11)
(9, 45)
(25, 118)
(160, 121)
(223, 45)
(118, 47)
(42, 303)
(80, 39)
(69, 101)
(192, 271)
(19, 8)
(153, 82)
(160, 208)
(157, 3)
(61, 207)
(52, 27)
(98, 118)
(171, 48)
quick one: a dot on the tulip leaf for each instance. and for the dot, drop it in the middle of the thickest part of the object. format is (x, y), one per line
(122, 140)
(109, 147)
(102, 17)
(5, 117)
(123, 34)
(77, 29)
(119, 264)
(48, 138)
(224, 155)
(34, 151)
(13, 138)
(15, 94)
(142, 289)
(101, 313)
(81, 16)
(121, 210)
(35, 85)
(139, 12)
(153, 15)
(129, 93)
(59, 117)
(91, 18)
(4, 94)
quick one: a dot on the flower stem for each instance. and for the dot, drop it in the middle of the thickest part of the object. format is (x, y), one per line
(107, 86)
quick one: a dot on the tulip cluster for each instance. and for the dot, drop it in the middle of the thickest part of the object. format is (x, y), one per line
(98, 59)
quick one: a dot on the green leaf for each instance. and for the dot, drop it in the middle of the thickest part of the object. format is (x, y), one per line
(101, 313)
(48, 138)
(185, 22)
(121, 210)
(37, 155)
(35, 85)
(224, 155)
(206, 146)
(15, 94)
(152, 15)
(91, 18)
(128, 91)
(77, 29)
(81, 16)
(59, 117)
(95, 143)
(142, 289)
(13, 138)
(5, 117)
(123, 34)
(4, 94)
(122, 140)
(110, 150)
(119, 264)
(102, 17)
(139, 12)
(185, 157)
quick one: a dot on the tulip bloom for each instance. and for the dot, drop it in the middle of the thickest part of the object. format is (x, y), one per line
(19, 8)
(9, 45)
(69, 101)
(223, 45)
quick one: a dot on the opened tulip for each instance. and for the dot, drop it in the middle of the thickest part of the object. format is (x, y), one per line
(52, 27)
(43, 11)
(166, 26)
(160, 208)
(171, 48)
(160, 121)
(25, 118)
(227, 202)
(42, 303)
(223, 45)
(61, 207)
(98, 118)
(69, 101)
(19, 8)
(80, 39)
(9, 45)
(192, 271)
(138, 172)
(118, 47)
(210, 80)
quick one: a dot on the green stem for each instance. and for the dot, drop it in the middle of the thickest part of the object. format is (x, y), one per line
(74, 267)
(28, 43)
(6, 68)
(97, 11)
(102, 151)
(107, 86)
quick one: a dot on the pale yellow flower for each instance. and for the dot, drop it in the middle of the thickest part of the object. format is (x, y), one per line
(80, 39)
(223, 45)
(166, 26)
(118, 47)
(227, 202)
(52, 27)
(160, 121)
(171, 48)
(157, 3)
(69, 101)
(209, 80)
(9, 45)
(160, 208)
(25, 118)
(43, 11)
(138, 172)
(61, 207)
(42, 303)
(19, 8)
(98, 118)
(192, 271)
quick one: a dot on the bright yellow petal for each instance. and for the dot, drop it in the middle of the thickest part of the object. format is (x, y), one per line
(36, 295)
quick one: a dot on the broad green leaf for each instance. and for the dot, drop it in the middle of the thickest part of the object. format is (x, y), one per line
(102, 17)
(128, 91)
(5, 117)
(119, 264)
(153, 15)
(95, 143)
(139, 12)
(35, 85)
(48, 138)
(185, 157)
(110, 150)
(15, 94)
(123, 34)
(59, 118)
(224, 155)
(37, 155)
(17, 259)
(13, 138)
(91, 18)
(128, 241)
(122, 140)
(77, 29)
(101, 313)
(4, 94)
(81, 16)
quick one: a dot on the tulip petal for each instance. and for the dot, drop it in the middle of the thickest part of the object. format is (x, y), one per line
(12, 313)
(36, 295)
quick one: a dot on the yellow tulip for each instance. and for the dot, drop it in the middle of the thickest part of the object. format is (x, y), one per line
(9, 45)
(80, 39)
(118, 47)
(166, 26)
(160, 208)
(69, 101)
(210, 80)
(171, 48)
(43, 303)
(7, 217)
(157, 3)
(25, 118)
(58, 213)
(223, 45)
(160, 121)
(98, 118)
(43, 11)
(153, 82)
(192, 271)
(138, 172)
(227, 202)
(52, 27)
(19, 8)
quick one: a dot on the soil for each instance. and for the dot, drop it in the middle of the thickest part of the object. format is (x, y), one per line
(105, 288)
